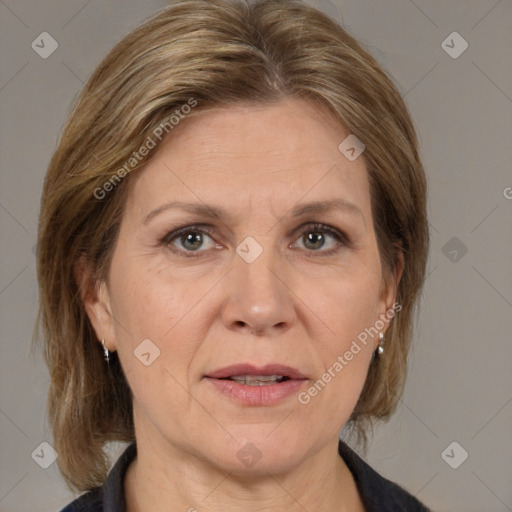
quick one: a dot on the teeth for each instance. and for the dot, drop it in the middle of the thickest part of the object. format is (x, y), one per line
(257, 380)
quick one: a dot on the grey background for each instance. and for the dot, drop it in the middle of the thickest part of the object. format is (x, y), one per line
(460, 383)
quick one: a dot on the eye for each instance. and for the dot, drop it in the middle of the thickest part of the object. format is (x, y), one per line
(188, 240)
(315, 236)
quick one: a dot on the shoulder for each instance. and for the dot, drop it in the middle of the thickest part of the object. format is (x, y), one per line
(378, 493)
(110, 496)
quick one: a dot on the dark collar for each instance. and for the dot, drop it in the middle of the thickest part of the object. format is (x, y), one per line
(377, 493)
(113, 489)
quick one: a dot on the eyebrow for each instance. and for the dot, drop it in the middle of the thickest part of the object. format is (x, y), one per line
(216, 212)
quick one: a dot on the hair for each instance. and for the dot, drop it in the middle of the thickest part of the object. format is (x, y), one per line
(208, 53)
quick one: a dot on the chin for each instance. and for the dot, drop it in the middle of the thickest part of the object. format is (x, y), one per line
(260, 454)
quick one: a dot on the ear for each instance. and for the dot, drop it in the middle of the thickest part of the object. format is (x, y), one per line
(389, 289)
(96, 300)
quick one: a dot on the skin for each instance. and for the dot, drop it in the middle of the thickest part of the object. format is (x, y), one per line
(294, 305)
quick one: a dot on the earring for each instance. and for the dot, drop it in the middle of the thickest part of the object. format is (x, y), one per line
(380, 348)
(105, 350)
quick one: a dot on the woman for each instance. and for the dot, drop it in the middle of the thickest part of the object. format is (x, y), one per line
(232, 243)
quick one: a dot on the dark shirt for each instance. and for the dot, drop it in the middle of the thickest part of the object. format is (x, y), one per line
(377, 493)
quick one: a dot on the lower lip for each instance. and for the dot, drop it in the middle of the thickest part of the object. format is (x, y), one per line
(268, 394)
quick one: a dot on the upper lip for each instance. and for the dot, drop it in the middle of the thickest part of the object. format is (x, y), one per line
(249, 369)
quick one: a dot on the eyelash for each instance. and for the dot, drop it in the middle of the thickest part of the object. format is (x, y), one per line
(339, 236)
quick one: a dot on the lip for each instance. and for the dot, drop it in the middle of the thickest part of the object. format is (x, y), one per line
(256, 396)
(249, 369)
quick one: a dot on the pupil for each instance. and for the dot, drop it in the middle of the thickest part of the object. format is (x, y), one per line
(193, 238)
(311, 237)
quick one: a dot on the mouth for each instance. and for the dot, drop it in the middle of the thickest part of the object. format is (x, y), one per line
(250, 375)
(257, 380)
(257, 386)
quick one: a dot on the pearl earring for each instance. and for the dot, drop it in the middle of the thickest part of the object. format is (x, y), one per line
(380, 348)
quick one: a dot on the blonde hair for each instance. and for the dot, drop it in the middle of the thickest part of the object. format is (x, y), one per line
(215, 52)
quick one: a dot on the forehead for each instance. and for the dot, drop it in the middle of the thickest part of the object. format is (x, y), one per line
(253, 158)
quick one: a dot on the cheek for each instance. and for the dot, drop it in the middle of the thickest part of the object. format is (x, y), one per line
(348, 304)
(348, 308)
(155, 342)
(151, 303)
(147, 301)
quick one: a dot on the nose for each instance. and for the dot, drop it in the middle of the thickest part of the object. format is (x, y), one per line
(258, 299)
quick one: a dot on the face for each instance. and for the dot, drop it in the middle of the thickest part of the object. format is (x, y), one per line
(257, 279)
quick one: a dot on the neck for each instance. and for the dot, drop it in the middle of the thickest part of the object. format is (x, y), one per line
(170, 479)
